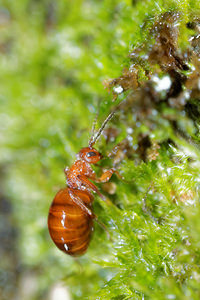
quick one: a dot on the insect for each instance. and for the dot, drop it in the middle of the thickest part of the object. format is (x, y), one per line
(70, 219)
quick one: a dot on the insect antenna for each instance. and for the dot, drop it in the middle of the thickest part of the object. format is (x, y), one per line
(95, 137)
(94, 123)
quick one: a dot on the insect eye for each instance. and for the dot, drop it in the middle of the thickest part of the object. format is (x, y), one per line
(89, 154)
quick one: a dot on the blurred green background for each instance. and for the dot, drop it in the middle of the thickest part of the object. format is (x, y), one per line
(54, 57)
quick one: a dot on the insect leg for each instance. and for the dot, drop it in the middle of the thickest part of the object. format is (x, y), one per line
(105, 176)
(80, 203)
(102, 226)
(90, 185)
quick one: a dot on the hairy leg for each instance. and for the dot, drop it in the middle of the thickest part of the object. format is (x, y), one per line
(90, 185)
(77, 200)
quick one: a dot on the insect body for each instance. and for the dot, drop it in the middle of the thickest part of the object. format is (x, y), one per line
(70, 219)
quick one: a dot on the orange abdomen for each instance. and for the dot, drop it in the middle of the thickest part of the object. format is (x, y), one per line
(69, 226)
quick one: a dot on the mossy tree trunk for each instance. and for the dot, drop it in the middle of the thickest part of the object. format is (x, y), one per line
(63, 61)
